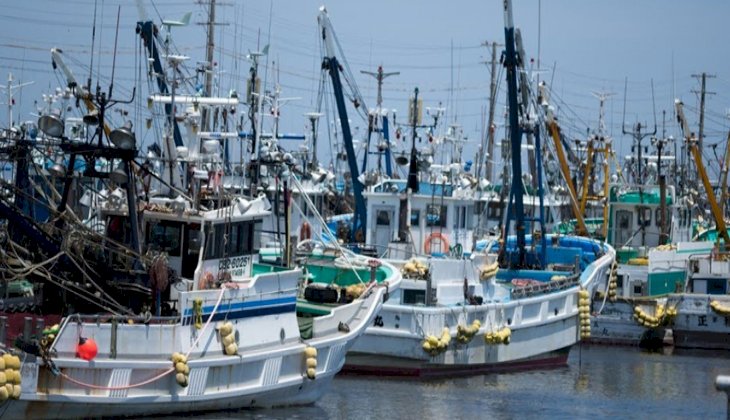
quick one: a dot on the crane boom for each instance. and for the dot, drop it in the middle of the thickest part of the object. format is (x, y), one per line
(554, 131)
(331, 64)
(82, 92)
(702, 173)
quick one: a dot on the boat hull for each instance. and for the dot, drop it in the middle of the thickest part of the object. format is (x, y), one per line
(271, 374)
(697, 325)
(540, 326)
(535, 343)
(368, 364)
(615, 325)
(296, 392)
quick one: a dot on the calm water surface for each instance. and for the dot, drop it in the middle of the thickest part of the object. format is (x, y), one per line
(599, 382)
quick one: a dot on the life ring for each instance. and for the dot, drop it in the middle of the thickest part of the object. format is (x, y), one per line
(436, 235)
(305, 232)
(207, 281)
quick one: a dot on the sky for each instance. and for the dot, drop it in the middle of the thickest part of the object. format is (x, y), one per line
(437, 46)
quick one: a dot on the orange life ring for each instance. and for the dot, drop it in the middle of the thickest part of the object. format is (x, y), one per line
(305, 232)
(436, 235)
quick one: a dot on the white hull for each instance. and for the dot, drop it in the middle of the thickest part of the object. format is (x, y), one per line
(543, 327)
(616, 325)
(697, 325)
(534, 342)
(269, 370)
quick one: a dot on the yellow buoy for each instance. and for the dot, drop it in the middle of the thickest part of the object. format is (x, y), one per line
(181, 379)
(180, 367)
(231, 349)
(229, 339)
(310, 352)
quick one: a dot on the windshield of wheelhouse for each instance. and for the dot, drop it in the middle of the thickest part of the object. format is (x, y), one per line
(231, 248)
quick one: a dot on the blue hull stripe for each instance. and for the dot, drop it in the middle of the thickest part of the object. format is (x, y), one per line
(245, 313)
(245, 309)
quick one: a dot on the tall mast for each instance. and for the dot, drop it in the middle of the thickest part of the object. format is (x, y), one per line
(492, 105)
(376, 123)
(209, 50)
(11, 101)
(703, 92)
(516, 187)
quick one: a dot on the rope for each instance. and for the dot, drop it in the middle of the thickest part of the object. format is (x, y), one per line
(605, 294)
(198, 313)
(159, 376)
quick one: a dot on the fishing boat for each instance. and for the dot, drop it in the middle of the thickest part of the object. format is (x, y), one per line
(520, 303)
(666, 275)
(207, 326)
(639, 212)
(246, 334)
(180, 313)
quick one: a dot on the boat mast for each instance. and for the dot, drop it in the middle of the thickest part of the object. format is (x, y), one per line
(376, 118)
(11, 101)
(332, 65)
(490, 123)
(516, 204)
(209, 50)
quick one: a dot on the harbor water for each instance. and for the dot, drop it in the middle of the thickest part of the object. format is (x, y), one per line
(599, 382)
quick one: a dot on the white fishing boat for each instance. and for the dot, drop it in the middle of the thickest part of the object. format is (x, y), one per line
(702, 305)
(246, 334)
(457, 318)
(521, 302)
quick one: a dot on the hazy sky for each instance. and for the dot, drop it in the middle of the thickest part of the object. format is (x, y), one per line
(585, 46)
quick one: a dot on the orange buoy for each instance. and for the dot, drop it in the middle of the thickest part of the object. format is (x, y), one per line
(87, 348)
(427, 248)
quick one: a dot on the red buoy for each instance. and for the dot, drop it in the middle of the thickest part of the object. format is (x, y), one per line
(87, 348)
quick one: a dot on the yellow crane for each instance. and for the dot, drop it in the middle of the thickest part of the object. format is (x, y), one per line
(554, 131)
(702, 173)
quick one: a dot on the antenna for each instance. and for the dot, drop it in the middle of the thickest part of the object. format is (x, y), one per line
(93, 39)
(653, 104)
(602, 96)
(114, 58)
(623, 119)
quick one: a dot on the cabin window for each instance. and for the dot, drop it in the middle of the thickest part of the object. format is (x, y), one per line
(215, 243)
(382, 218)
(415, 218)
(256, 228)
(658, 217)
(194, 238)
(435, 215)
(495, 211)
(240, 238)
(624, 224)
(479, 207)
(414, 297)
(460, 219)
(165, 237)
(637, 289)
(645, 213)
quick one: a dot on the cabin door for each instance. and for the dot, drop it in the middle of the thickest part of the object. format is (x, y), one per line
(624, 226)
(191, 251)
(384, 225)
